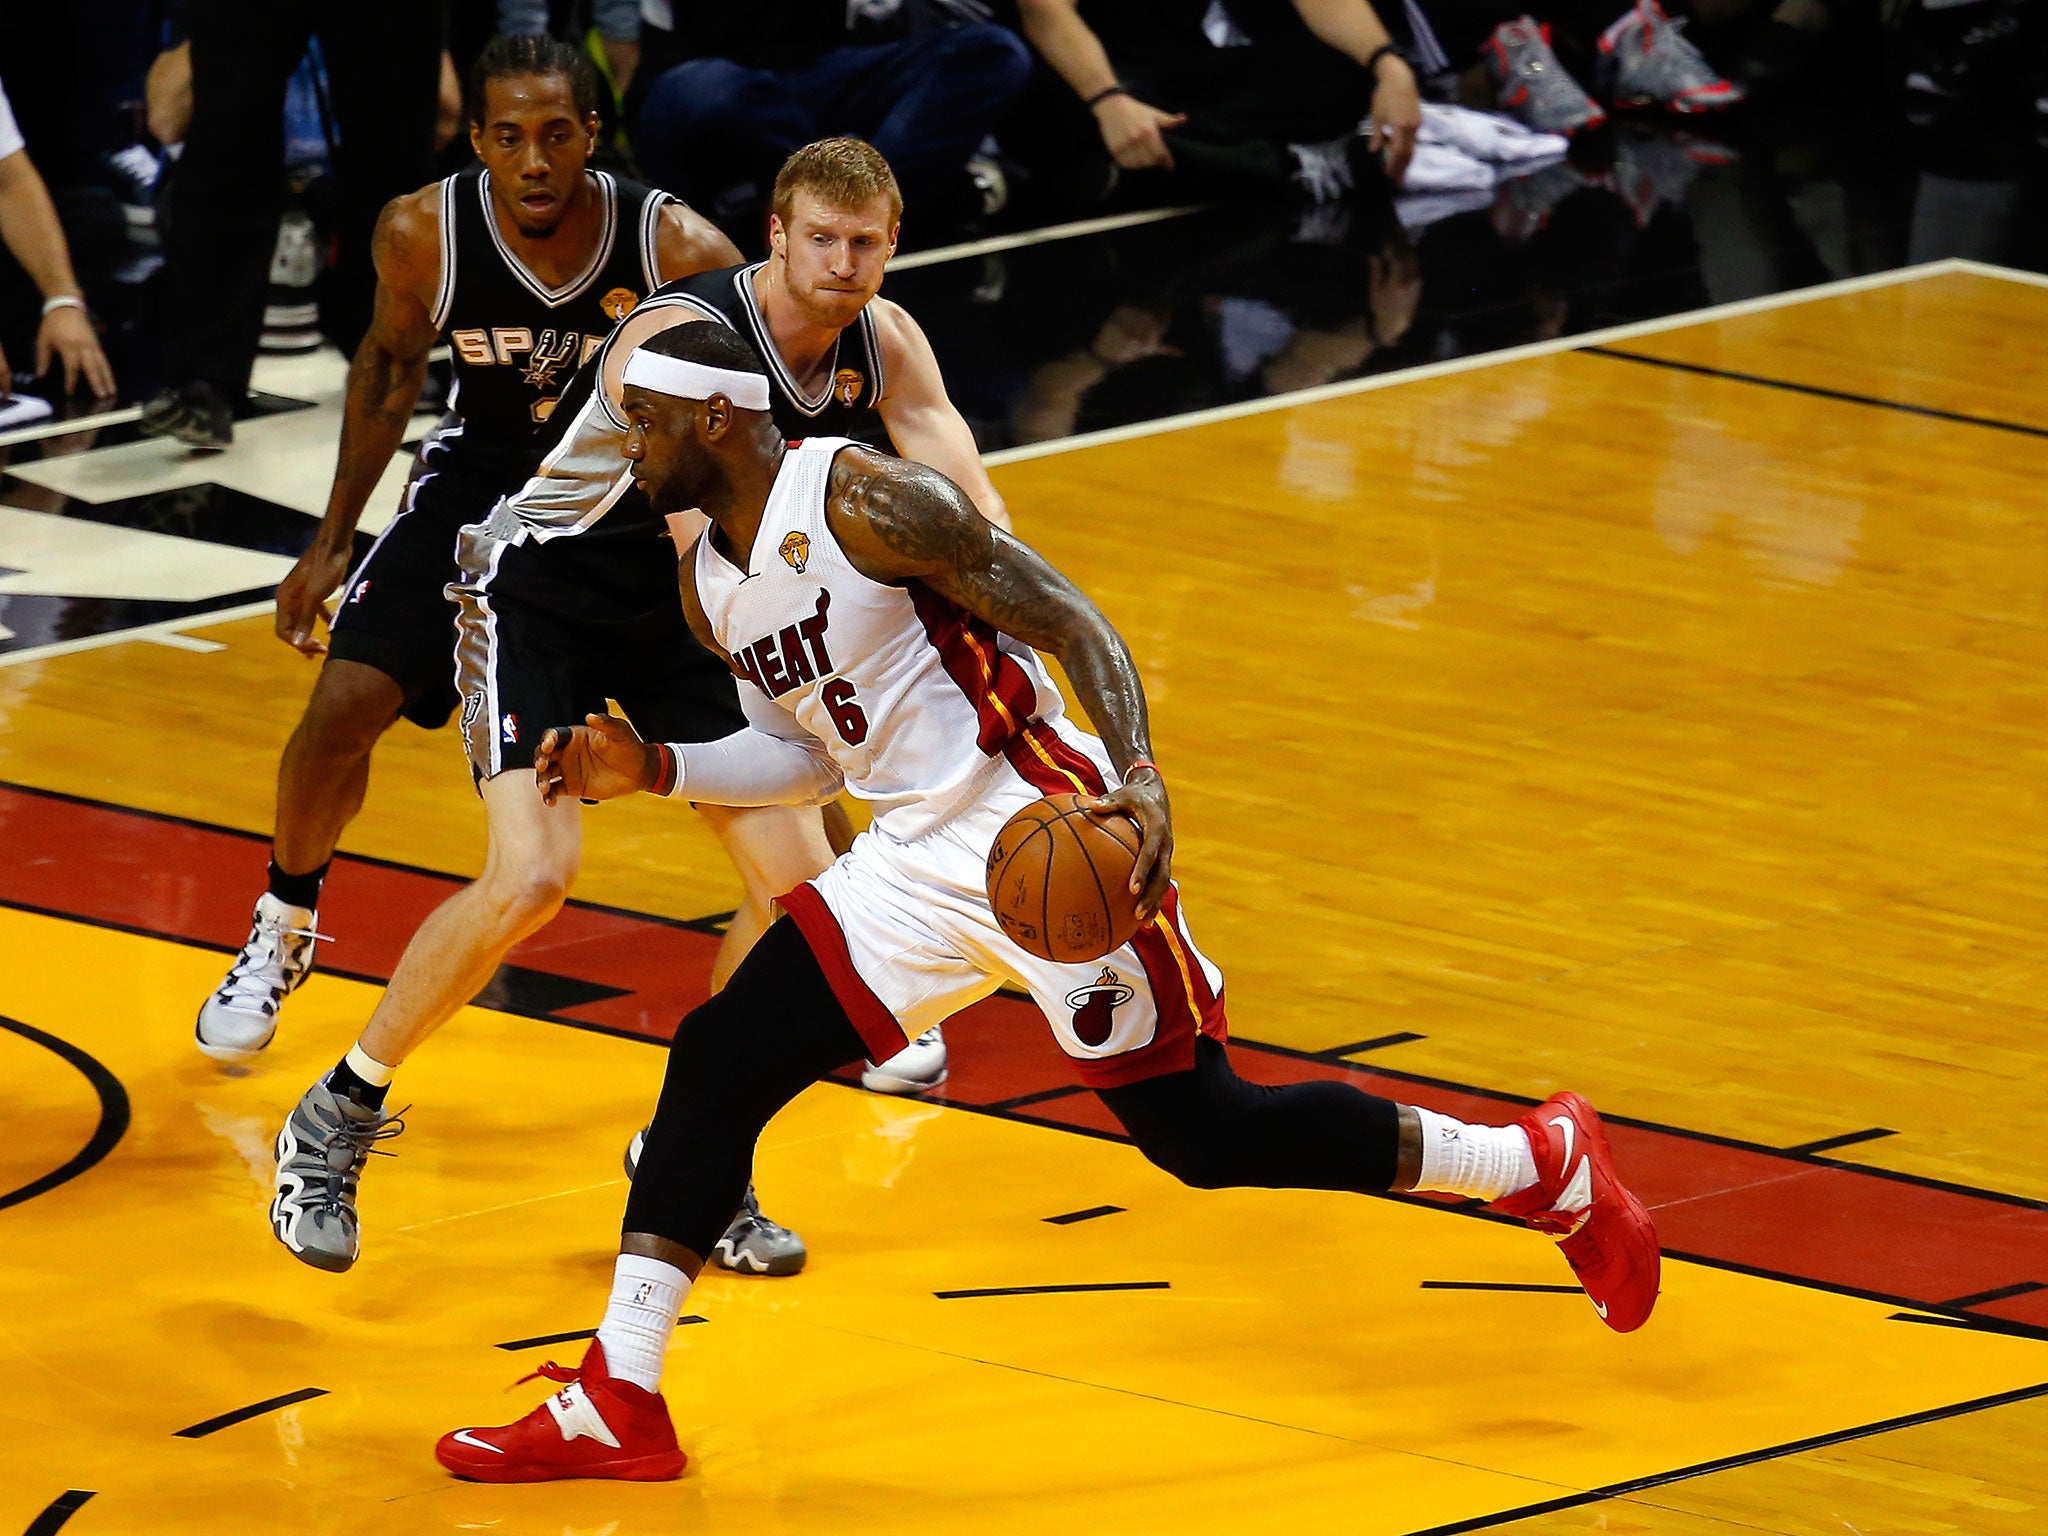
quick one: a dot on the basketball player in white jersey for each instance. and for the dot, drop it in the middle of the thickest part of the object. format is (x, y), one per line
(888, 637)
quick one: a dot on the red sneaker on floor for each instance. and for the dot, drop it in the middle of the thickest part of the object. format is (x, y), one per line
(1603, 1230)
(593, 1427)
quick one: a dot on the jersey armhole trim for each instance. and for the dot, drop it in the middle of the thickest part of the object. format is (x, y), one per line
(650, 237)
(670, 301)
(444, 291)
(874, 339)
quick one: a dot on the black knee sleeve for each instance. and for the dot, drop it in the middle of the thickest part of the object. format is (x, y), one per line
(773, 1031)
(1212, 1129)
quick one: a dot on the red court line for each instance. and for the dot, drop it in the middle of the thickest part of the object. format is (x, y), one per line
(1729, 1203)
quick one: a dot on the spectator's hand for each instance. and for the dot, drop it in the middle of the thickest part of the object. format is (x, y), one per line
(1396, 274)
(1134, 134)
(67, 333)
(1396, 115)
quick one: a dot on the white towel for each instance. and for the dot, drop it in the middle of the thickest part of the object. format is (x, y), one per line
(1486, 136)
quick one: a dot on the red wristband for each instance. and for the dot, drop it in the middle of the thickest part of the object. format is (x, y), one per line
(1142, 762)
(666, 767)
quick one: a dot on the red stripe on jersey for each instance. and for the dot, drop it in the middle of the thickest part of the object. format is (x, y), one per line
(998, 688)
(868, 1014)
(1049, 765)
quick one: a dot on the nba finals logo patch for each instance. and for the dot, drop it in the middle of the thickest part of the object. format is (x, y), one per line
(796, 549)
(847, 384)
(543, 409)
(618, 303)
(1093, 1005)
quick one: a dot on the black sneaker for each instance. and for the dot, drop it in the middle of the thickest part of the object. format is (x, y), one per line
(193, 413)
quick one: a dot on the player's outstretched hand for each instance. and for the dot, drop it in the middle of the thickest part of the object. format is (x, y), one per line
(1143, 799)
(302, 596)
(601, 759)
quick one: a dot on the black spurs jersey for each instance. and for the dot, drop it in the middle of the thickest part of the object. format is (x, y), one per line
(607, 553)
(517, 342)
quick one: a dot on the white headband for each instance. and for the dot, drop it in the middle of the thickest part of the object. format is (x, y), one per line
(696, 381)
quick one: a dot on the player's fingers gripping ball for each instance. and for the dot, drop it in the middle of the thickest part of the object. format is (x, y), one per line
(1059, 880)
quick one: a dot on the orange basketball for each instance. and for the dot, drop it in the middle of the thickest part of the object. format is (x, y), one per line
(1059, 880)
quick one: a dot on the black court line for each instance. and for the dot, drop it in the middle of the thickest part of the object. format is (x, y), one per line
(1090, 1214)
(1359, 1047)
(1846, 396)
(1728, 1463)
(1043, 1096)
(1976, 1324)
(1056, 1290)
(1846, 1139)
(2003, 1293)
(113, 1122)
(61, 1508)
(1502, 1285)
(206, 1427)
(577, 1333)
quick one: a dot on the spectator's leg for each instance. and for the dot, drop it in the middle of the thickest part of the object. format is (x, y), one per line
(707, 124)
(925, 102)
(383, 71)
(229, 188)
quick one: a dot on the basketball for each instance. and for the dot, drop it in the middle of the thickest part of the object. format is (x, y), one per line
(1059, 880)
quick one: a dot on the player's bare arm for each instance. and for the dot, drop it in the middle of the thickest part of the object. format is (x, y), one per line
(383, 387)
(904, 522)
(922, 420)
(686, 243)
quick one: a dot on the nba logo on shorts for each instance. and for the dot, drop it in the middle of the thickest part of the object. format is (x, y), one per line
(508, 730)
(362, 591)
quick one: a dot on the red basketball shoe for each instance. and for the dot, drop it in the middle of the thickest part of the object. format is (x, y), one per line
(593, 1427)
(1603, 1230)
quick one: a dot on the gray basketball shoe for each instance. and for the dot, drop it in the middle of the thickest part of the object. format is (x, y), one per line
(320, 1155)
(752, 1245)
(1653, 64)
(239, 1019)
(1531, 86)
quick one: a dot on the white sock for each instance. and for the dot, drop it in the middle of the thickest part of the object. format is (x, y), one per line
(369, 1068)
(1483, 1161)
(646, 1296)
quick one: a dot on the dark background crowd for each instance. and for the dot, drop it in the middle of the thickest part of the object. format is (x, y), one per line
(195, 181)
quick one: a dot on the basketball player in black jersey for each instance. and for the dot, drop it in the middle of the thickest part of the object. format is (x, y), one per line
(522, 264)
(567, 597)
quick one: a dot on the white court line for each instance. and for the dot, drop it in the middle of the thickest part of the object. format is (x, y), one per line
(1039, 236)
(1992, 269)
(44, 429)
(157, 631)
(1729, 311)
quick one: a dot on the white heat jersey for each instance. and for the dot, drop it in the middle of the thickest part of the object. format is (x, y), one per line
(917, 700)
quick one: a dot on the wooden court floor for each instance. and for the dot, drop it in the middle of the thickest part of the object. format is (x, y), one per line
(1661, 718)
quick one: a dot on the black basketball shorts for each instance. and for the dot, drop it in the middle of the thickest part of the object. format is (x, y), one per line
(524, 664)
(394, 613)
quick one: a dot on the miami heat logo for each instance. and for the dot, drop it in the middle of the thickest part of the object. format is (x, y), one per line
(847, 384)
(796, 549)
(618, 303)
(1093, 1005)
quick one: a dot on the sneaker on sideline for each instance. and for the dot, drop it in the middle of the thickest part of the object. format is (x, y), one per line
(1652, 64)
(1531, 86)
